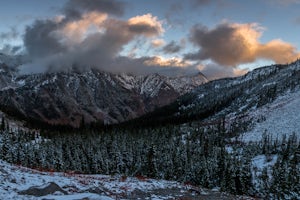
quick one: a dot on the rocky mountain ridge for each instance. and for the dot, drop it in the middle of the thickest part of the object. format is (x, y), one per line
(76, 97)
(234, 100)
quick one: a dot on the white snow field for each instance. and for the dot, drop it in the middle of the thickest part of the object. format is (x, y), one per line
(15, 179)
(22, 183)
(282, 117)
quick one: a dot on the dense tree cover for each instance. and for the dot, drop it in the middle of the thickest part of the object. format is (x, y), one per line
(198, 155)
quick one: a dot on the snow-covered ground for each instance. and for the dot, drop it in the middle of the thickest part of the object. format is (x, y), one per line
(23, 183)
(260, 163)
(14, 179)
(282, 117)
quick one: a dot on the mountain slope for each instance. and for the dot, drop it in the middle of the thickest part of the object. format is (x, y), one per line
(234, 100)
(278, 118)
(69, 98)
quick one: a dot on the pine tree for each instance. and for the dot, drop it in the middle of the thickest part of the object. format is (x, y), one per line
(2, 126)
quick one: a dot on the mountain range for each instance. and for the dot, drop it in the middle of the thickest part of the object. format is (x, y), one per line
(92, 96)
(238, 135)
(76, 97)
(263, 100)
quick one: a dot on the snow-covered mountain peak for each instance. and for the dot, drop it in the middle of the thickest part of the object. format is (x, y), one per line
(97, 96)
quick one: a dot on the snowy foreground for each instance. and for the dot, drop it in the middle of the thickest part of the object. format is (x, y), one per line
(22, 183)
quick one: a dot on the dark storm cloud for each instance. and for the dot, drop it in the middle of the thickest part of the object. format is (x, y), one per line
(147, 25)
(143, 29)
(50, 43)
(218, 44)
(171, 47)
(40, 39)
(95, 50)
(75, 8)
(87, 36)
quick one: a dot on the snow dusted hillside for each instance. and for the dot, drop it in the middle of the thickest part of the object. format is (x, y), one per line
(278, 118)
(265, 99)
(22, 183)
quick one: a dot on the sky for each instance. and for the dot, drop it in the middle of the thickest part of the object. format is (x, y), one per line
(220, 38)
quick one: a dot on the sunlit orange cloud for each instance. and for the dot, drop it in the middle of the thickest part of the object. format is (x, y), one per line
(163, 62)
(279, 51)
(77, 30)
(146, 24)
(231, 44)
(157, 43)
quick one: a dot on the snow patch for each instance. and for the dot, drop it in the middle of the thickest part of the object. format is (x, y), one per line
(14, 179)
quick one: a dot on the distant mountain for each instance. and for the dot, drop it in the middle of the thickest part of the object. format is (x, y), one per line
(263, 98)
(71, 98)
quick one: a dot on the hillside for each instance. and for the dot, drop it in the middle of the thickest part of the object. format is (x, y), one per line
(242, 101)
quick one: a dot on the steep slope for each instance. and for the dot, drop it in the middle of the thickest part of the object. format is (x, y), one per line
(235, 101)
(278, 118)
(71, 98)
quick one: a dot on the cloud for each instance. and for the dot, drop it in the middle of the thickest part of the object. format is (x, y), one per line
(160, 61)
(47, 37)
(92, 40)
(172, 47)
(147, 25)
(40, 39)
(77, 30)
(10, 50)
(278, 51)
(200, 3)
(9, 35)
(174, 14)
(234, 44)
(157, 43)
(156, 64)
(75, 8)
(214, 71)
